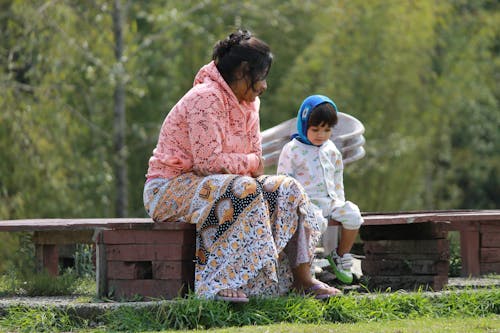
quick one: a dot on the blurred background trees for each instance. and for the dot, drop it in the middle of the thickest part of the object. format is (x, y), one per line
(422, 76)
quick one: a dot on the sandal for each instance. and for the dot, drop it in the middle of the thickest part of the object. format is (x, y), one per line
(232, 299)
(312, 291)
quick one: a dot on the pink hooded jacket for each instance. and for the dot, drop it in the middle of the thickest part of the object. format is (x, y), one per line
(208, 130)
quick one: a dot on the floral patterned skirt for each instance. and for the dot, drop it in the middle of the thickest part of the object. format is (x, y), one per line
(249, 232)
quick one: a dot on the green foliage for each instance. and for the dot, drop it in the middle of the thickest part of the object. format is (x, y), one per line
(421, 76)
(84, 264)
(48, 319)
(44, 284)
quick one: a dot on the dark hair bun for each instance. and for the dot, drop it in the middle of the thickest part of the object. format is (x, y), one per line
(224, 46)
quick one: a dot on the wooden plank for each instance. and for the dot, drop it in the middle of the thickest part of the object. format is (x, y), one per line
(171, 270)
(469, 252)
(101, 266)
(490, 239)
(130, 270)
(404, 247)
(63, 237)
(74, 224)
(490, 226)
(186, 237)
(490, 267)
(404, 266)
(163, 289)
(403, 231)
(144, 252)
(490, 254)
(371, 218)
(407, 282)
(47, 257)
(464, 225)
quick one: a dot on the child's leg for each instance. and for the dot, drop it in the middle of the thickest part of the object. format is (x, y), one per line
(347, 239)
(340, 259)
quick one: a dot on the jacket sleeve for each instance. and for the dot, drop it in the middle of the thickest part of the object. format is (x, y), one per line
(206, 116)
(339, 175)
(285, 162)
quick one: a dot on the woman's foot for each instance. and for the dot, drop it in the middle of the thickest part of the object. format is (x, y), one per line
(231, 295)
(318, 289)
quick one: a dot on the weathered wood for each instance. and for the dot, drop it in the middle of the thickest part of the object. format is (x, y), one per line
(490, 226)
(490, 267)
(47, 257)
(479, 230)
(171, 270)
(144, 252)
(403, 231)
(162, 236)
(404, 247)
(63, 237)
(490, 254)
(101, 266)
(491, 239)
(130, 270)
(469, 252)
(407, 282)
(404, 266)
(75, 224)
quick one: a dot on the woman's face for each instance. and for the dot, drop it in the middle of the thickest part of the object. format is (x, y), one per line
(244, 90)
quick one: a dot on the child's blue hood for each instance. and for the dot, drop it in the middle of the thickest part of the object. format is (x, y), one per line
(305, 112)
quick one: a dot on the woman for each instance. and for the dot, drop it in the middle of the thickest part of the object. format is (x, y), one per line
(255, 234)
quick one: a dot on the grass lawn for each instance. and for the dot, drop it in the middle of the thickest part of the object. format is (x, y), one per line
(488, 324)
(441, 325)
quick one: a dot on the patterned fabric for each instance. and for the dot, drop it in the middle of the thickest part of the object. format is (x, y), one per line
(250, 232)
(320, 171)
(208, 130)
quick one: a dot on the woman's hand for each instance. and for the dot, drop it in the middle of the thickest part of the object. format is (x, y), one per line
(260, 169)
(204, 172)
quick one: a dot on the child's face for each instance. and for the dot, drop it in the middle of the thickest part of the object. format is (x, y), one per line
(319, 134)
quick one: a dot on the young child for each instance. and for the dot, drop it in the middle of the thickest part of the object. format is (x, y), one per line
(314, 160)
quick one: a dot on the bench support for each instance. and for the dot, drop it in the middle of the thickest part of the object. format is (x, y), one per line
(154, 262)
(410, 256)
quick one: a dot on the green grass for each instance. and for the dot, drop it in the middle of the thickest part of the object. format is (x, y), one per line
(415, 311)
(441, 325)
(44, 284)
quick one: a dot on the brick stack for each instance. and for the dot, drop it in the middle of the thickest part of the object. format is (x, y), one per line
(490, 247)
(409, 257)
(150, 263)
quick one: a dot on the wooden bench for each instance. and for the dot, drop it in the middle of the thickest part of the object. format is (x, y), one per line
(135, 256)
(403, 250)
(406, 250)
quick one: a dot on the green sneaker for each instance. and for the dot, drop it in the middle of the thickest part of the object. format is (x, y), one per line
(341, 266)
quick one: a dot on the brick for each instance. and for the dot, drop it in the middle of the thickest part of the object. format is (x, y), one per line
(160, 289)
(404, 231)
(167, 270)
(490, 254)
(490, 267)
(490, 239)
(180, 237)
(404, 267)
(130, 270)
(407, 282)
(490, 226)
(152, 252)
(403, 247)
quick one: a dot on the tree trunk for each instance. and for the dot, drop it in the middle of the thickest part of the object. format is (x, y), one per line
(120, 167)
